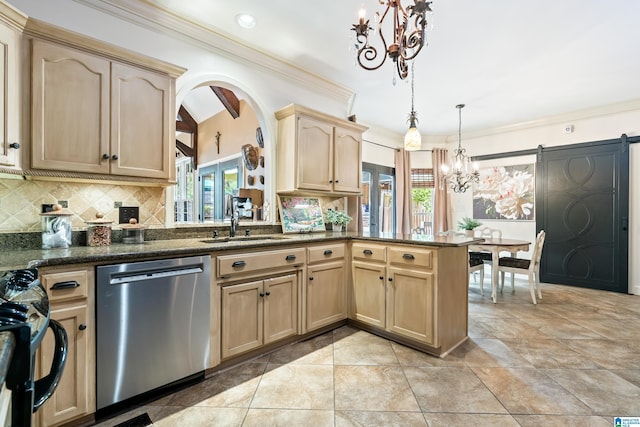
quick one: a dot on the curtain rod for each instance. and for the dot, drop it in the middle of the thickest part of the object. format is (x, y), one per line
(386, 146)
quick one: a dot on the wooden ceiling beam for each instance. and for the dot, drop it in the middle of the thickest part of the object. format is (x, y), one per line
(228, 99)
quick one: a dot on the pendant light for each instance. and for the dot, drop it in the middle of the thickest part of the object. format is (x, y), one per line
(412, 139)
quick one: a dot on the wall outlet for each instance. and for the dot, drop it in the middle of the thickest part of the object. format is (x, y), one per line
(125, 213)
(117, 204)
(568, 128)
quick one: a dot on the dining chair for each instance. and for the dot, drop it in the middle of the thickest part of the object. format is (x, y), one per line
(476, 265)
(488, 233)
(530, 267)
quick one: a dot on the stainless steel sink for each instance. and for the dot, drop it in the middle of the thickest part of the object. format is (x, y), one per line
(243, 239)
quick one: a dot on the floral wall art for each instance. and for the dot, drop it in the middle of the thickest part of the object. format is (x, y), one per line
(505, 192)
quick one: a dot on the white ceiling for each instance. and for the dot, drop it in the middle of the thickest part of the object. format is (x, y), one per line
(509, 61)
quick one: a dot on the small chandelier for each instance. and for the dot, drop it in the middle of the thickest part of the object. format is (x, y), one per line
(408, 37)
(459, 173)
(412, 139)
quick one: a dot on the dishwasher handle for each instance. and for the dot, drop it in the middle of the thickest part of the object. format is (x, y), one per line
(140, 276)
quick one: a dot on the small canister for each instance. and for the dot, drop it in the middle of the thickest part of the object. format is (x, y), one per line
(133, 232)
(56, 228)
(99, 231)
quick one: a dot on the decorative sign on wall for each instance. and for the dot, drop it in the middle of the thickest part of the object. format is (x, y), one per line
(505, 192)
(300, 214)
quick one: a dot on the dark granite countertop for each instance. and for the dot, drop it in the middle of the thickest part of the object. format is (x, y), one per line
(183, 247)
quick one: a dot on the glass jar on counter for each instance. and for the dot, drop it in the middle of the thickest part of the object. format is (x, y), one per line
(56, 228)
(99, 231)
(133, 232)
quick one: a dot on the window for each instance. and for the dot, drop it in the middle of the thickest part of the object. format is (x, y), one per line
(218, 183)
(422, 184)
(184, 197)
(377, 207)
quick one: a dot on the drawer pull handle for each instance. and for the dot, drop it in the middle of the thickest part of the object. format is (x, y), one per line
(328, 252)
(290, 257)
(408, 256)
(82, 326)
(238, 264)
(65, 285)
(367, 252)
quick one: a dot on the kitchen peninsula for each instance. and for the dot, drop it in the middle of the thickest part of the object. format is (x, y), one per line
(271, 290)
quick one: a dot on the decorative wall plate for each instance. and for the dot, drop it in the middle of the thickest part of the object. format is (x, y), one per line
(259, 138)
(250, 156)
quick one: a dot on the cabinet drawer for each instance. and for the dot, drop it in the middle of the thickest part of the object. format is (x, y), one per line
(369, 252)
(230, 265)
(325, 253)
(411, 256)
(66, 285)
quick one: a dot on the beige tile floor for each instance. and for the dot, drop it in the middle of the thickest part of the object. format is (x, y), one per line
(572, 360)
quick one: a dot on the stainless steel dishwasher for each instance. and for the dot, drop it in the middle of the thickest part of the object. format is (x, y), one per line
(152, 325)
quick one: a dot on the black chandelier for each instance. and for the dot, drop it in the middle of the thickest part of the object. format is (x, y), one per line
(409, 35)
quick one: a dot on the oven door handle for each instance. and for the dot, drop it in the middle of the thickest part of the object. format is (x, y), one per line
(45, 386)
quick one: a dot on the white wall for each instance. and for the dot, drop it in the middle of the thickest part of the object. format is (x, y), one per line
(608, 124)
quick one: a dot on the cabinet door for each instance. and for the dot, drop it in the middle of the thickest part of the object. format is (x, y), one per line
(369, 296)
(9, 97)
(140, 125)
(280, 307)
(69, 110)
(347, 160)
(410, 310)
(72, 397)
(242, 318)
(315, 155)
(326, 294)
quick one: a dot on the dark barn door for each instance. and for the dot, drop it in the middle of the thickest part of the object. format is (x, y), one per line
(582, 197)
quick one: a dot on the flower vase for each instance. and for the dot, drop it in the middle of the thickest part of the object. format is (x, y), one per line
(468, 233)
(337, 228)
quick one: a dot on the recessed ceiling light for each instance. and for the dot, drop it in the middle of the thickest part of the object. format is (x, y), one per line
(245, 20)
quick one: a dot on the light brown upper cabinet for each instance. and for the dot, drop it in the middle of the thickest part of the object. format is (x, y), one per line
(317, 152)
(93, 114)
(10, 85)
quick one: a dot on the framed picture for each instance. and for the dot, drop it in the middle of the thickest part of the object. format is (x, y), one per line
(300, 214)
(505, 192)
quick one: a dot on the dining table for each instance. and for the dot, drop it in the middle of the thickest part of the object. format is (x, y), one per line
(495, 245)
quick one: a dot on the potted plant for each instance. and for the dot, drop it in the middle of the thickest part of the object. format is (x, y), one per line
(468, 224)
(337, 218)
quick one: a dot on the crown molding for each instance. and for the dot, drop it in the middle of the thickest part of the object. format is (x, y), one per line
(558, 119)
(145, 14)
(12, 16)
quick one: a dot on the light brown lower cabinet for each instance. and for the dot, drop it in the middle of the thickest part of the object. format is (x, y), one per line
(325, 291)
(258, 313)
(72, 306)
(413, 292)
(369, 293)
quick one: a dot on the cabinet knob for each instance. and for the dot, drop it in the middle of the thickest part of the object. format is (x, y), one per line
(82, 326)
(381, 277)
(391, 279)
(105, 156)
(311, 278)
(261, 294)
(337, 181)
(14, 145)
(114, 157)
(267, 293)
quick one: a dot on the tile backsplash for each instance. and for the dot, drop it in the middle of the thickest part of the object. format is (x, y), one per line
(21, 200)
